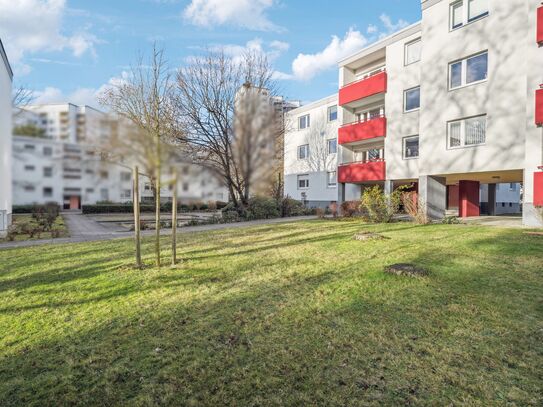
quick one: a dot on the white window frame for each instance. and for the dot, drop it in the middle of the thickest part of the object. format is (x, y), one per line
(328, 184)
(465, 14)
(328, 113)
(307, 118)
(306, 148)
(463, 132)
(404, 148)
(405, 100)
(302, 177)
(406, 47)
(464, 73)
(328, 146)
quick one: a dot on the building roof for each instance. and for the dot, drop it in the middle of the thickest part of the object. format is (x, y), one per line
(382, 43)
(6, 61)
(321, 102)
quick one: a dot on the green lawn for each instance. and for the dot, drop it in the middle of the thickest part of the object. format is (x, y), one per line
(284, 315)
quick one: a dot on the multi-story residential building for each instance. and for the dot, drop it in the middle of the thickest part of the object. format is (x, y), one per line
(311, 153)
(6, 78)
(67, 162)
(448, 104)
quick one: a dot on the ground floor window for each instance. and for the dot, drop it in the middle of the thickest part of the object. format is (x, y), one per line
(411, 147)
(467, 132)
(332, 179)
(303, 181)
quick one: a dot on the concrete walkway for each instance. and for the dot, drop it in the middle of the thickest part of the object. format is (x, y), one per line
(84, 229)
(500, 221)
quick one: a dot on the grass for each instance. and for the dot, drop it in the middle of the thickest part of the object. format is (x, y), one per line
(289, 314)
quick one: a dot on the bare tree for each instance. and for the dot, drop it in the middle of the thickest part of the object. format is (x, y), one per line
(22, 97)
(228, 117)
(319, 158)
(145, 98)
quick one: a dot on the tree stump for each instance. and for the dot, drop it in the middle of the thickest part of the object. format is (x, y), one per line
(406, 270)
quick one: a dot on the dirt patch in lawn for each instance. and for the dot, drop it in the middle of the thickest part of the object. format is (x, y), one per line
(406, 270)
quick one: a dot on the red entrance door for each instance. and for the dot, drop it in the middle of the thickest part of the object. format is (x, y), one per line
(74, 202)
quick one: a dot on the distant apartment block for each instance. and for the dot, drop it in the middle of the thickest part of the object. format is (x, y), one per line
(6, 77)
(451, 105)
(65, 162)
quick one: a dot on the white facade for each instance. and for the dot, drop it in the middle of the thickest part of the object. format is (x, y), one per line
(6, 77)
(66, 165)
(445, 104)
(312, 179)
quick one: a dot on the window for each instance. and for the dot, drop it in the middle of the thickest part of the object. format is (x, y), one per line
(467, 71)
(303, 181)
(48, 172)
(89, 171)
(332, 179)
(332, 113)
(411, 147)
(104, 174)
(412, 99)
(373, 154)
(413, 51)
(47, 192)
(29, 147)
(467, 132)
(126, 176)
(47, 151)
(466, 11)
(332, 146)
(104, 194)
(29, 168)
(126, 194)
(512, 186)
(89, 190)
(185, 186)
(303, 152)
(29, 188)
(303, 122)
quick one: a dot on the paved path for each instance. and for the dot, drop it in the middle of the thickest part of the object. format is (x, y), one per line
(84, 229)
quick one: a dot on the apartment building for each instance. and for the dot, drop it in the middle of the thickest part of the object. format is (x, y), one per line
(311, 153)
(6, 78)
(66, 161)
(448, 104)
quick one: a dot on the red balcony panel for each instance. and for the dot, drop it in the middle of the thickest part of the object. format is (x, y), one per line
(351, 133)
(538, 189)
(362, 172)
(539, 107)
(363, 88)
(540, 25)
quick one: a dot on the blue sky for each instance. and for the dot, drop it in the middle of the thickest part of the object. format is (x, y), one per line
(67, 50)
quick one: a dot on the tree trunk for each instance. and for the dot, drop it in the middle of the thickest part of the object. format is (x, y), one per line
(174, 220)
(136, 204)
(157, 204)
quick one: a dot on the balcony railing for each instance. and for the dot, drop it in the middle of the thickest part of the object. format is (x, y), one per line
(539, 107)
(366, 171)
(363, 88)
(363, 130)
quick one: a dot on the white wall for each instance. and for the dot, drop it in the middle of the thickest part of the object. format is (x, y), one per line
(317, 166)
(5, 143)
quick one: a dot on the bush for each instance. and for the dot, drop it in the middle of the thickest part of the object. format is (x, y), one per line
(58, 229)
(116, 208)
(46, 214)
(19, 209)
(31, 228)
(262, 208)
(378, 207)
(320, 213)
(230, 217)
(351, 208)
(13, 231)
(450, 220)
(333, 209)
(292, 207)
(413, 206)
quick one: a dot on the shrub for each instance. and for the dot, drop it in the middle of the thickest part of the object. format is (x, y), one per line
(212, 205)
(58, 229)
(450, 220)
(18, 209)
(350, 208)
(333, 209)
(31, 228)
(321, 213)
(262, 208)
(380, 208)
(413, 206)
(13, 231)
(230, 216)
(116, 208)
(46, 214)
(292, 207)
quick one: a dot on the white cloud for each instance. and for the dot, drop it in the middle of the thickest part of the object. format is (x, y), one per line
(391, 27)
(271, 50)
(29, 26)
(249, 14)
(307, 66)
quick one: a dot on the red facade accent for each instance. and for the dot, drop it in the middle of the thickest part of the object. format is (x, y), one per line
(362, 89)
(539, 107)
(362, 172)
(453, 197)
(363, 131)
(468, 192)
(538, 189)
(540, 25)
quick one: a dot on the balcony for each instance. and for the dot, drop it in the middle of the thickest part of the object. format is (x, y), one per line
(539, 107)
(538, 188)
(362, 172)
(363, 88)
(540, 25)
(364, 130)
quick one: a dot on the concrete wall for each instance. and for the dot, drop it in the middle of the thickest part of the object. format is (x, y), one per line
(5, 142)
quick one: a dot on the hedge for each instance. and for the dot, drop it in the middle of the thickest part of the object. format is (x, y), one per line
(18, 209)
(128, 208)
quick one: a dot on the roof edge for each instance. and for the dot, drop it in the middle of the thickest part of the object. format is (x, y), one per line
(6, 60)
